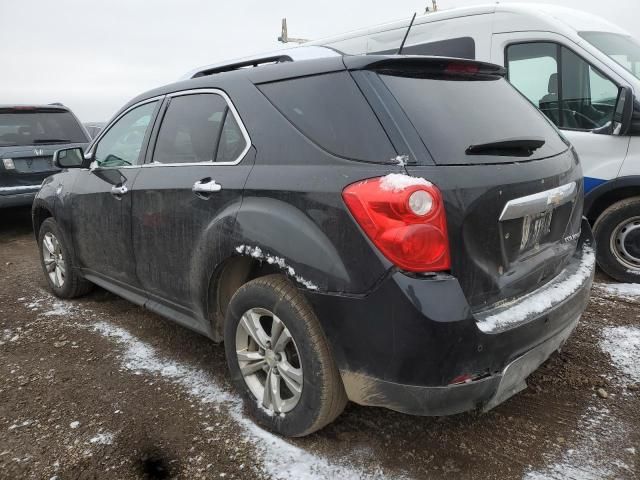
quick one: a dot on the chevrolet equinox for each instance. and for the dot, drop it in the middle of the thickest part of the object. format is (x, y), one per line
(403, 232)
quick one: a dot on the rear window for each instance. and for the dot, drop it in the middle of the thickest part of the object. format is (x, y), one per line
(330, 110)
(452, 114)
(39, 128)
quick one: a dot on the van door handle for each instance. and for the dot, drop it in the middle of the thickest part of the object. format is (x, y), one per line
(206, 186)
(118, 191)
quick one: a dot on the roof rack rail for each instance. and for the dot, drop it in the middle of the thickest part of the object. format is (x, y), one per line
(57, 104)
(279, 56)
(255, 62)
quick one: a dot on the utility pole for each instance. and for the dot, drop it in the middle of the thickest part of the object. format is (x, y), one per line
(284, 36)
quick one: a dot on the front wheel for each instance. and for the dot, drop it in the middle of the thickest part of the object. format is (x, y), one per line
(279, 358)
(617, 233)
(55, 257)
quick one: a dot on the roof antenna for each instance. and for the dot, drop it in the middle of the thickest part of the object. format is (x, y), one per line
(406, 35)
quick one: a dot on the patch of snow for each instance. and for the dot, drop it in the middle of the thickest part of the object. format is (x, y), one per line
(623, 345)
(74, 425)
(630, 291)
(401, 160)
(15, 426)
(102, 439)
(542, 299)
(397, 182)
(588, 460)
(280, 459)
(257, 253)
(59, 309)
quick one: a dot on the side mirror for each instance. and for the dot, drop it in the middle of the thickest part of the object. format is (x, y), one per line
(623, 114)
(69, 158)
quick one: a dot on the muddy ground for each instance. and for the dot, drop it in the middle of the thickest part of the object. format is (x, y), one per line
(99, 388)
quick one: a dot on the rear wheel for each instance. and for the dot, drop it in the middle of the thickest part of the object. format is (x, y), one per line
(55, 257)
(279, 358)
(617, 233)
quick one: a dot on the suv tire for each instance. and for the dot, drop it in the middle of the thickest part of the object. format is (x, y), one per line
(265, 302)
(55, 258)
(611, 230)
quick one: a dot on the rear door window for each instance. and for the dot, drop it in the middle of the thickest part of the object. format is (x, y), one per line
(331, 111)
(199, 128)
(453, 114)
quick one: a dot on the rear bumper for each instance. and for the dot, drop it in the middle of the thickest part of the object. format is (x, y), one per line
(403, 346)
(17, 199)
(449, 400)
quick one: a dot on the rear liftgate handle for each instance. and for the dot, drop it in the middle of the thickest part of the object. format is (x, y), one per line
(205, 187)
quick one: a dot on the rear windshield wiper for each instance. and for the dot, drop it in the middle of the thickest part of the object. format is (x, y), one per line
(51, 140)
(513, 147)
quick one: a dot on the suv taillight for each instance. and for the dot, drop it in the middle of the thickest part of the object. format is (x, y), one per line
(404, 217)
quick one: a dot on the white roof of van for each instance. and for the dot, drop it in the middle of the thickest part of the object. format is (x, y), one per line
(555, 17)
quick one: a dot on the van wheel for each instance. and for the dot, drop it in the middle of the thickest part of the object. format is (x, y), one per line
(279, 358)
(55, 257)
(617, 233)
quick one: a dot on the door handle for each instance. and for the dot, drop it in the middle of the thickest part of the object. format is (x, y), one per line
(118, 191)
(206, 186)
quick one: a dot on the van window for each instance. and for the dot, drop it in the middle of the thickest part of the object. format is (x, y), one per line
(331, 111)
(570, 91)
(463, 47)
(198, 128)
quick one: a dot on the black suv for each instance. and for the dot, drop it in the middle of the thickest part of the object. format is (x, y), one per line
(403, 232)
(29, 134)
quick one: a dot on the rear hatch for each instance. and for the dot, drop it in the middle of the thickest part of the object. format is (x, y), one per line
(512, 186)
(28, 138)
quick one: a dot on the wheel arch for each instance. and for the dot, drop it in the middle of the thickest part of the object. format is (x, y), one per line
(267, 236)
(603, 196)
(40, 211)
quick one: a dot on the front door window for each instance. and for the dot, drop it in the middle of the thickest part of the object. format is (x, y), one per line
(122, 144)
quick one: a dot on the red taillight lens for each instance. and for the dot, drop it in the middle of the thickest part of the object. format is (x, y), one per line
(405, 218)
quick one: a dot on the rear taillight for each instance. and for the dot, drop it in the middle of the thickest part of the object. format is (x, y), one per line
(404, 217)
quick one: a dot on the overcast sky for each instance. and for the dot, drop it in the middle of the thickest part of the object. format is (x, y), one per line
(95, 55)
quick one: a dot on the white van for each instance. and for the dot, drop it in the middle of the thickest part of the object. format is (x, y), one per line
(580, 70)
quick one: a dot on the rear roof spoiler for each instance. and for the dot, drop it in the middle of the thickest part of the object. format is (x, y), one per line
(410, 65)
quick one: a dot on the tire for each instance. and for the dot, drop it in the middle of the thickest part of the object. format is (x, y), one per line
(617, 233)
(55, 252)
(322, 396)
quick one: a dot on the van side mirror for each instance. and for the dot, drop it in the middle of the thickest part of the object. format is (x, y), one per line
(623, 114)
(69, 158)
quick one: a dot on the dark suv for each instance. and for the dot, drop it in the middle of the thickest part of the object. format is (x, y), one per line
(29, 134)
(404, 232)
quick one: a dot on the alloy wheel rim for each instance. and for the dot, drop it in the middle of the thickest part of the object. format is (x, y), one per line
(269, 360)
(53, 260)
(625, 243)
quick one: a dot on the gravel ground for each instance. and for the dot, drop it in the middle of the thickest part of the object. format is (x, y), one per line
(100, 388)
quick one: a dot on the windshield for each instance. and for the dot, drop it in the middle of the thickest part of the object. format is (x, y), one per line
(39, 127)
(623, 49)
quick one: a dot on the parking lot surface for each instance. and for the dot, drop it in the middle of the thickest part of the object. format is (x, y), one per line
(100, 388)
